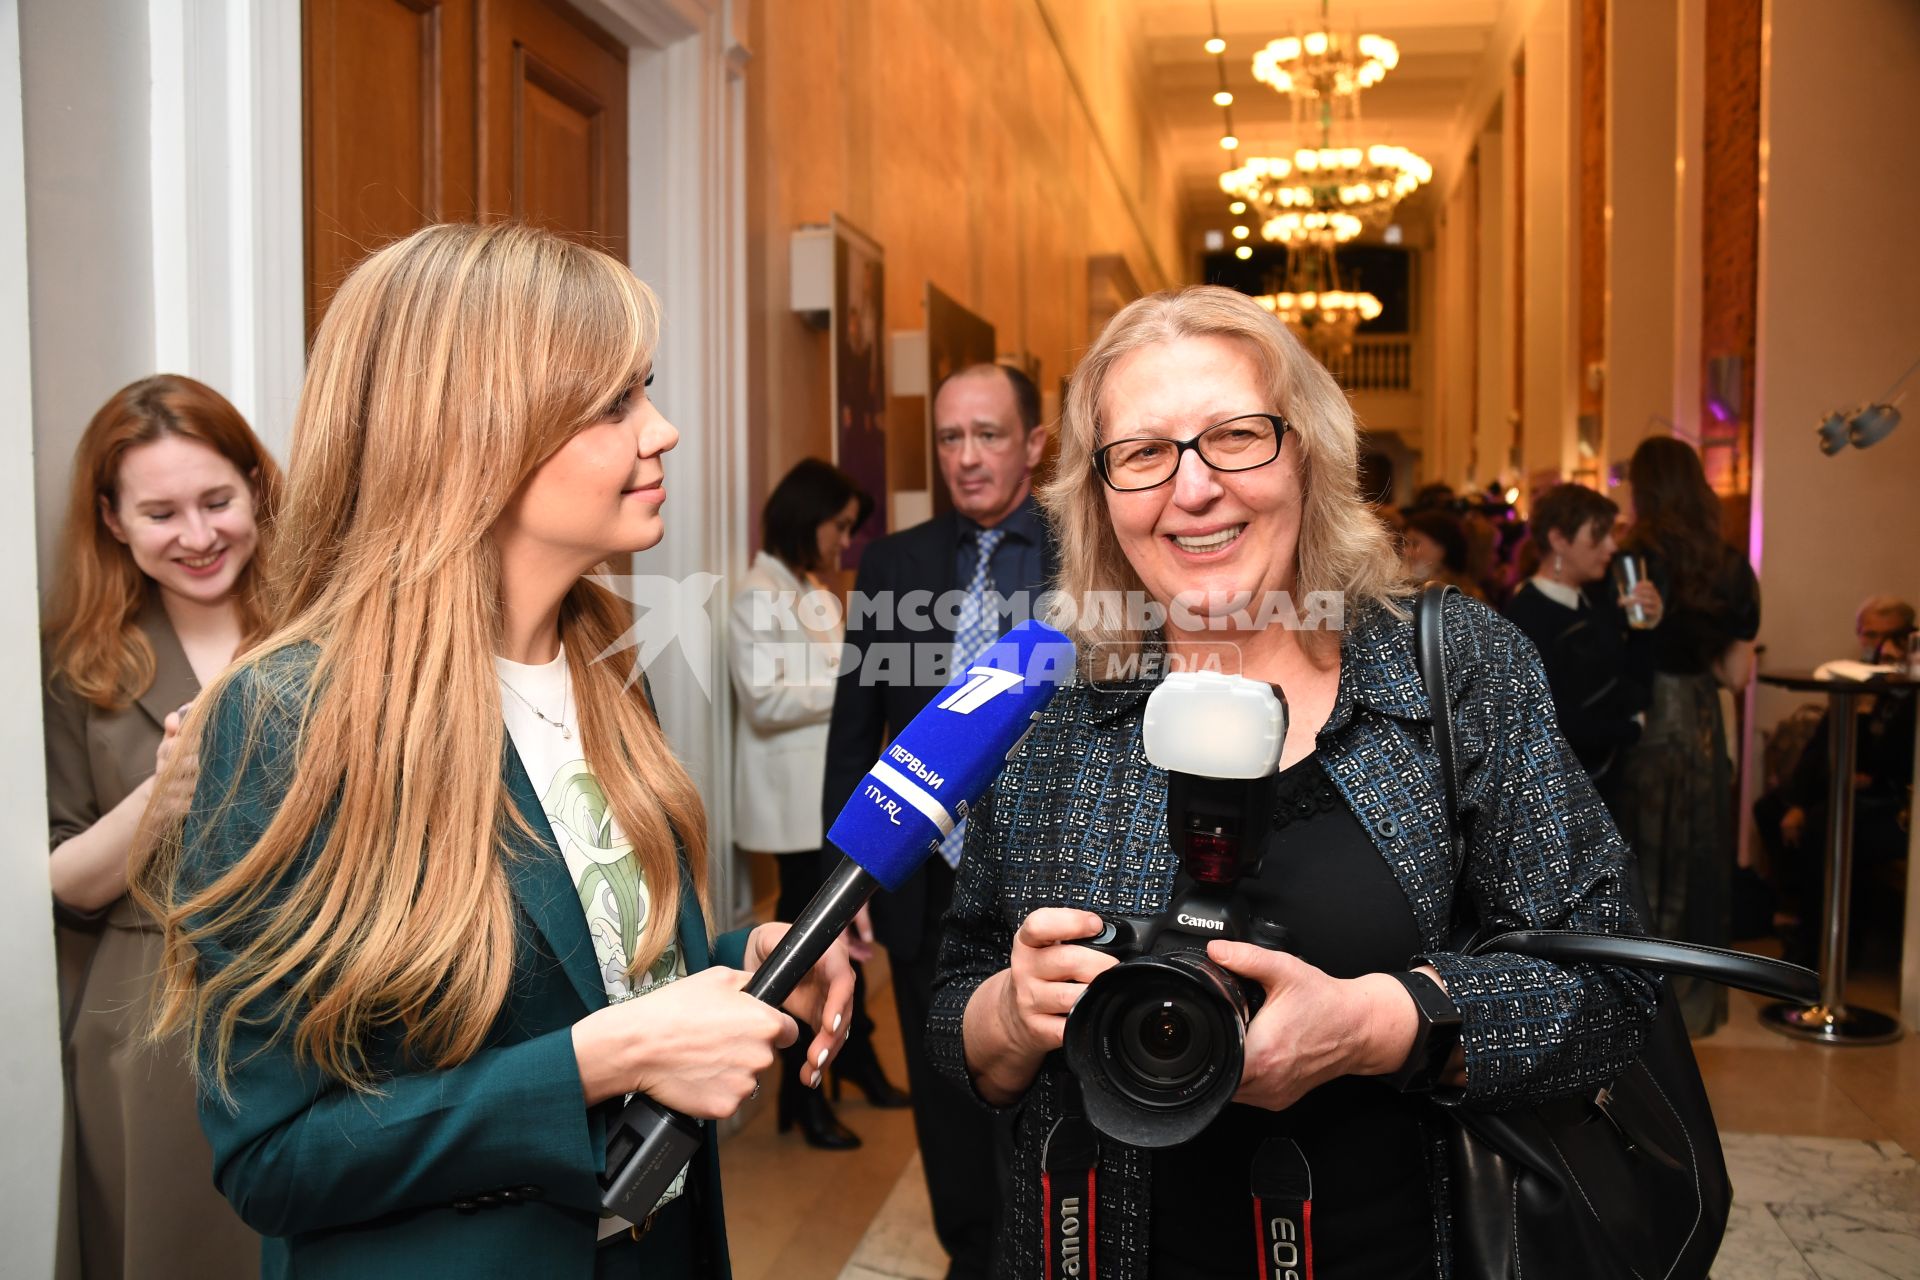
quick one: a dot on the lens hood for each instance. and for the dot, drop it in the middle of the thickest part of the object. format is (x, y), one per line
(1158, 1043)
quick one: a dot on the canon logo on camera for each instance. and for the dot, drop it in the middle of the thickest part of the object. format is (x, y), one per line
(1201, 922)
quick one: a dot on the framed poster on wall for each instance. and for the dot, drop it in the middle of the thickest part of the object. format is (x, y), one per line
(956, 338)
(859, 373)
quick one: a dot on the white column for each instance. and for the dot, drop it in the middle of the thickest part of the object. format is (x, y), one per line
(227, 219)
(1690, 130)
(30, 1104)
(1837, 323)
(1642, 49)
(1450, 390)
(1550, 403)
(687, 240)
(1494, 357)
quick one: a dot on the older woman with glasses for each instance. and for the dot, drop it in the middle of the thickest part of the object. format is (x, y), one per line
(1209, 463)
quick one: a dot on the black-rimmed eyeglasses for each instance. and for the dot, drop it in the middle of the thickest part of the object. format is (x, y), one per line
(1147, 462)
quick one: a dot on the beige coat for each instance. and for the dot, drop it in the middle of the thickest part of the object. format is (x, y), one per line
(137, 1194)
(784, 656)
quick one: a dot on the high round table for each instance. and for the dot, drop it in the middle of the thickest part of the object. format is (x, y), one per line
(1833, 1020)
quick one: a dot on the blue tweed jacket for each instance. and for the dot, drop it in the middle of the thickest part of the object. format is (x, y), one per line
(1079, 819)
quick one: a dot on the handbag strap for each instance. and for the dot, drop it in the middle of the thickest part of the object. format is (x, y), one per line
(1734, 968)
(1430, 656)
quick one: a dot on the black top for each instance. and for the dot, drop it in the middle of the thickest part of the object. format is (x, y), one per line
(1597, 669)
(1323, 879)
(1692, 634)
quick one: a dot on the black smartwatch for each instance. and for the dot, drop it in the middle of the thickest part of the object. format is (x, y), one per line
(1434, 1042)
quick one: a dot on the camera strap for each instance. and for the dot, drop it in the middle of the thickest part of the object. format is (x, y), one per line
(1280, 1181)
(1069, 1177)
(1282, 1187)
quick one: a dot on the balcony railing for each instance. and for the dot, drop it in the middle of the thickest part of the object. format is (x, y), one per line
(1376, 364)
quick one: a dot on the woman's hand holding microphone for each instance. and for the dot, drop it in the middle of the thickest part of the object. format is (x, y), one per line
(699, 1044)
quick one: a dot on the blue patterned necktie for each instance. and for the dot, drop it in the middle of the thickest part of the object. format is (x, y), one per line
(976, 631)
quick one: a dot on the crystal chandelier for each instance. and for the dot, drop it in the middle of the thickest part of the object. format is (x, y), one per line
(1325, 64)
(1327, 192)
(1326, 195)
(1315, 307)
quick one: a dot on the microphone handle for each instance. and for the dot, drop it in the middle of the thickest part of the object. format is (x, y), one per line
(648, 1144)
(846, 890)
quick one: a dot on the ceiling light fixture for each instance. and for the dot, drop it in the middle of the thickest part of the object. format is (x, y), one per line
(1325, 64)
(1360, 186)
(1223, 97)
(1315, 307)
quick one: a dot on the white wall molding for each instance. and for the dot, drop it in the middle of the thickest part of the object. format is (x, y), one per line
(228, 222)
(30, 1051)
(687, 238)
(652, 23)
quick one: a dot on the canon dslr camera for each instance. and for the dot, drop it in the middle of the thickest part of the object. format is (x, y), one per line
(1158, 1041)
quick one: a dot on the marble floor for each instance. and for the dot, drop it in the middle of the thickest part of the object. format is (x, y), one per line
(1833, 1208)
(1820, 1143)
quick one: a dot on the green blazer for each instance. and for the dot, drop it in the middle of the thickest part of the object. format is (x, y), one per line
(484, 1169)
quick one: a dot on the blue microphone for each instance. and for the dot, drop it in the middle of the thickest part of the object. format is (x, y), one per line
(946, 757)
(920, 789)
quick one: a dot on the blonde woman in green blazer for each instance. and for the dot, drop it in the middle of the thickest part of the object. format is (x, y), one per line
(433, 911)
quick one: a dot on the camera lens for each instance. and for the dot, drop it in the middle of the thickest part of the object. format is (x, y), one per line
(1162, 1045)
(1166, 1033)
(1158, 1043)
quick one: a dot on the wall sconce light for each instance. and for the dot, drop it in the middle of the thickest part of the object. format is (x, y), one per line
(1867, 425)
(1870, 424)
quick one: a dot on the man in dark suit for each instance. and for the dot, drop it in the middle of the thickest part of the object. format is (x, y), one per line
(988, 439)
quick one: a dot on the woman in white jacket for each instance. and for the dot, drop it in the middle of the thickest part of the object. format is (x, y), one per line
(784, 648)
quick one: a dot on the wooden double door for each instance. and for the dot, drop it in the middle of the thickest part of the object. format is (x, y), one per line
(424, 111)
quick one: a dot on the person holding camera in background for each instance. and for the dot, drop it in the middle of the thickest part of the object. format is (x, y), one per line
(1207, 458)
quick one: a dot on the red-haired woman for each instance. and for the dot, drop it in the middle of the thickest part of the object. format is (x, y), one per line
(157, 588)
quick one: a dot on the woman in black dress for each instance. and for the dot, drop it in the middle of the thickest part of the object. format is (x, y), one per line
(1676, 800)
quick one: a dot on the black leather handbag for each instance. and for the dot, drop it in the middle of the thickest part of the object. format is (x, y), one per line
(1627, 1181)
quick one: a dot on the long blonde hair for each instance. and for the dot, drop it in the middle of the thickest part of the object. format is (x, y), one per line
(449, 366)
(93, 627)
(1342, 548)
